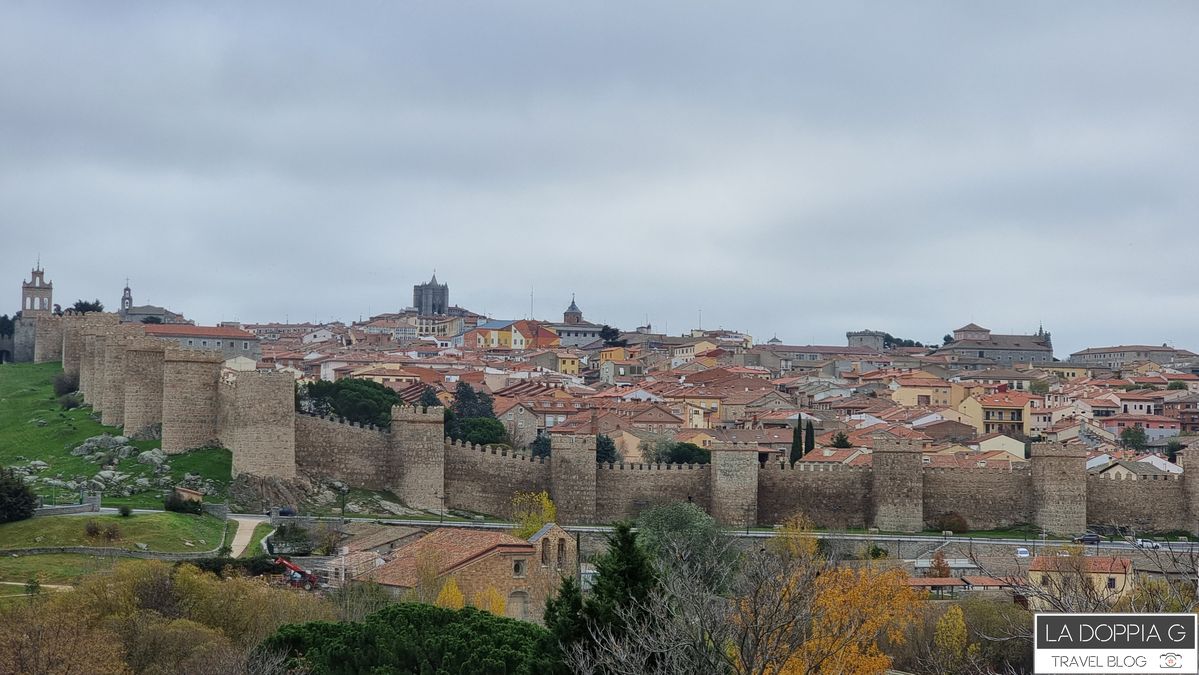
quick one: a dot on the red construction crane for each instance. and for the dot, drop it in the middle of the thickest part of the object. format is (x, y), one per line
(298, 576)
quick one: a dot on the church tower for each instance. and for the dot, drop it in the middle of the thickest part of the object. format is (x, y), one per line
(126, 299)
(573, 316)
(37, 294)
(431, 298)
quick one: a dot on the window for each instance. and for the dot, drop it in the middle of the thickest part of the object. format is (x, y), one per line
(203, 343)
(518, 567)
(191, 342)
(218, 343)
(1111, 583)
(545, 551)
(561, 553)
(1044, 579)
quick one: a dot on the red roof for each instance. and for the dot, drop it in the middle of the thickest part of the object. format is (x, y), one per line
(182, 330)
(1091, 565)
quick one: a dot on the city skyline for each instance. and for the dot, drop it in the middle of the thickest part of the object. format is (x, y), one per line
(1061, 351)
(791, 170)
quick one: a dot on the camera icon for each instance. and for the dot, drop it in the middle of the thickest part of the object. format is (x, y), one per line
(1171, 660)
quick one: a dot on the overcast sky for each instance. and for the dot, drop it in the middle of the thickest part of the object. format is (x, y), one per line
(797, 169)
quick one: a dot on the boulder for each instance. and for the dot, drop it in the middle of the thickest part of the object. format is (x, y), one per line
(38, 465)
(155, 457)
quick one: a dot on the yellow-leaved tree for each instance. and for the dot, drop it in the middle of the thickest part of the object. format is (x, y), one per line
(820, 618)
(531, 511)
(450, 596)
(490, 600)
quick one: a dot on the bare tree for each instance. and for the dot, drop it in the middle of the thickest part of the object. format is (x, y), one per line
(751, 617)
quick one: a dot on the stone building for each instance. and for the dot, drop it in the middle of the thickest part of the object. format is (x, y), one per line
(574, 331)
(130, 313)
(431, 298)
(523, 572)
(229, 341)
(867, 339)
(972, 342)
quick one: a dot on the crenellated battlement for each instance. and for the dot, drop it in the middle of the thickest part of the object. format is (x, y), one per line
(405, 414)
(341, 421)
(192, 356)
(572, 442)
(889, 444)
(492, 451)
(1011, 468)
(810, 467)
(651, 467)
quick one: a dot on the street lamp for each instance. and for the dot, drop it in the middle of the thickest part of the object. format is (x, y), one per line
(441, 513)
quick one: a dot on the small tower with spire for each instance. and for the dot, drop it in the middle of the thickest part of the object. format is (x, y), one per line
(126, 298)
(573, 316)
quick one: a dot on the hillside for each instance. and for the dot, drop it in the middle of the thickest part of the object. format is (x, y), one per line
(34, 429)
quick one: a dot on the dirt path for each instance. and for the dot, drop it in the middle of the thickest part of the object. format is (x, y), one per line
(53, 587)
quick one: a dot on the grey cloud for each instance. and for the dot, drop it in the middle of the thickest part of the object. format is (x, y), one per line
(791, 169)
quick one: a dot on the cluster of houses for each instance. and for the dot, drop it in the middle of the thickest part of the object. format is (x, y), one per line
(977, 400)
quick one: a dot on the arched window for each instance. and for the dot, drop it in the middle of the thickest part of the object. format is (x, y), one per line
(518, 605)
(561, 553)
(545, 551)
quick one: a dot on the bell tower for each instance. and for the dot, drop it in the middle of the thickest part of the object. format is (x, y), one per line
(573, 315)
(126, 298)
(37, 294)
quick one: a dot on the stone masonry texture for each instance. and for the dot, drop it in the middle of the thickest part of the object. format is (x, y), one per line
(252, 413)
(898, 490)
(189, 399)
(143, 385)
(572, 478)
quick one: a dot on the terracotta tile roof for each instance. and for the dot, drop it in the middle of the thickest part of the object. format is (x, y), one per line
(449, 548)
(1088, 564)
(1008, 399)
(935, 582)
(183, 330)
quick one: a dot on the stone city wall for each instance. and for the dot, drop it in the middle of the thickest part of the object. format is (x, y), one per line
(1153, 503)
(989, 499)
(354, 454)
(483, 479)
(624, 490)
(830, 495)
(139, 382)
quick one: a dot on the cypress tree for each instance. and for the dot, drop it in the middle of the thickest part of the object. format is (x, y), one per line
(810, 437)
(797, 442)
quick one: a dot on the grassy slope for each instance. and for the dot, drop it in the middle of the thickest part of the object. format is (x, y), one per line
(26, 394)
(160, 531)
(56, 568)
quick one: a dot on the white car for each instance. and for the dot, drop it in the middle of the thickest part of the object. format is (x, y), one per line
(1021, 552)
(1147, 543)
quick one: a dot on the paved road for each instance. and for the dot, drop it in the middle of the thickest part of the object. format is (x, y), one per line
(765, 534)
(245, 531)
